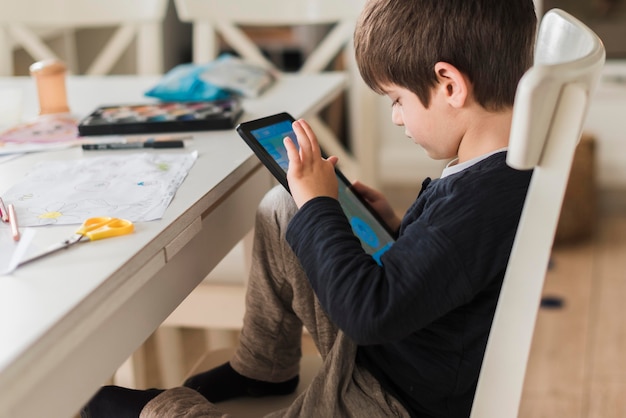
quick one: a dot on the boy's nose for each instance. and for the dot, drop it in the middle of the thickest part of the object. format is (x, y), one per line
(396, 116)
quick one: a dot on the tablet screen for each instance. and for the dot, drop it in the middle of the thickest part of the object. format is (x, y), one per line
(265, 137)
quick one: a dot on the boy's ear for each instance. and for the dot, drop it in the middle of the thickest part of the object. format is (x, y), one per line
(453, 84)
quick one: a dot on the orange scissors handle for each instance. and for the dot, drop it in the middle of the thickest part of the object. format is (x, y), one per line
(105, 227)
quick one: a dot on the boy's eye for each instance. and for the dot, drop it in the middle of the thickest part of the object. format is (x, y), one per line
(395, 102)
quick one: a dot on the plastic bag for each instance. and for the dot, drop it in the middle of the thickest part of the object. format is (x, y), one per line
(225, 76)
(182, 83)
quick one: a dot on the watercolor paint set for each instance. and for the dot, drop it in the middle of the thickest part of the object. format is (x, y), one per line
(162, 117)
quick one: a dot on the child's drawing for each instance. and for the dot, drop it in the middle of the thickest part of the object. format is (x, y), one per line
(137, 187)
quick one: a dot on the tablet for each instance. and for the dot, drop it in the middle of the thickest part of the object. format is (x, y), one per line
(265, 137)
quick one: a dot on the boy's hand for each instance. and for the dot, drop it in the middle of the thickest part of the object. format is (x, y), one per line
(379, 203)
(309, 175)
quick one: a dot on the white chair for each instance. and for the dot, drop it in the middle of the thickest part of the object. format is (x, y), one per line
(550, 108)
(215, 305)
(22, 23)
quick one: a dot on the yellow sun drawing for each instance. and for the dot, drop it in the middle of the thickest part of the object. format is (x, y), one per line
(50, 215)
(59, 212)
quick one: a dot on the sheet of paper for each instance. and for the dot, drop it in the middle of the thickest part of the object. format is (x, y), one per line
(11, 252)
(137, 187)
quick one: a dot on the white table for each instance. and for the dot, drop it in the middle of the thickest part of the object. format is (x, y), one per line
(69, 320)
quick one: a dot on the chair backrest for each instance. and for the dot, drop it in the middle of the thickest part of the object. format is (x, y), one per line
(21, 21)
(550, 108)
(226, 17)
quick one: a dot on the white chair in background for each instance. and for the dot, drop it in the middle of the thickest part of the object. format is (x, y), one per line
(550, 108)
(217, 306)
(214, 19)
(22, 22)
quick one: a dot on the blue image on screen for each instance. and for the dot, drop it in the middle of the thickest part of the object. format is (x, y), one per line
(271, 138)
(364, 232)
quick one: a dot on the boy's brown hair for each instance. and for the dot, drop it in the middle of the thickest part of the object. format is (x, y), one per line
(490, 41)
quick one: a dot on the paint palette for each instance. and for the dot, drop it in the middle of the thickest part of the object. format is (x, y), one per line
(162, 117)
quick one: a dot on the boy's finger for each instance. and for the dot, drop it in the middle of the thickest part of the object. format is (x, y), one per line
(292, 153)
(303, 141)
(333, 159)
(311, 136)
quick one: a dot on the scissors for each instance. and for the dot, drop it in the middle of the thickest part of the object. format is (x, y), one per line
(92, 229)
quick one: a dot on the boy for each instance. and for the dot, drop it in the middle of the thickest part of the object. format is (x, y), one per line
(406, 338)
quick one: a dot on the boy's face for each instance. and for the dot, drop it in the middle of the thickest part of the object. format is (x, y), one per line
(429, 127)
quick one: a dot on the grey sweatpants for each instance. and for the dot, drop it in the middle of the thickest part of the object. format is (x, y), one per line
(279, 302)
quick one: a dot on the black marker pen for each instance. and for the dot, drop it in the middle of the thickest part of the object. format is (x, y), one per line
(134, 145)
